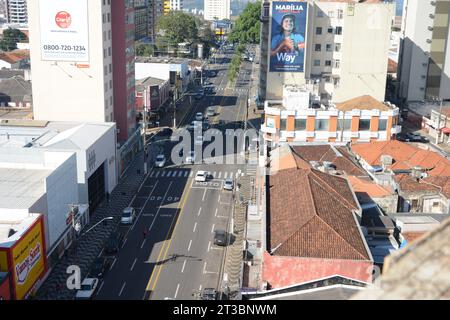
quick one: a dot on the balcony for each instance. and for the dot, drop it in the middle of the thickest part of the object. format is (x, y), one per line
(266, 129)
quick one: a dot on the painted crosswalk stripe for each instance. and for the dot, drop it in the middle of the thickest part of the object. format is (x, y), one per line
(163, 174)
(157, 174)
(237, 175)
(152, 174)
(226, 175)
(186, 173)
(220, 175)
(180, 174)
(192, 172)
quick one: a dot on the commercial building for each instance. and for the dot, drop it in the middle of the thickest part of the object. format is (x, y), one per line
(156, 8)
(176, 5)
(217, 10)
(158, 94)
(16, 11)
(141, 13)
(23, 261)
(424, 62)
(334, 46)
(300, 117)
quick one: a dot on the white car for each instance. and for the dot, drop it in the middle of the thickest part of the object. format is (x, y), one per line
(128, 215)
(210, 112)
(201, 176)
(190, 157)
(199, 116)
(160, 161)
(228, 184)
(198, 140)
(87, 290)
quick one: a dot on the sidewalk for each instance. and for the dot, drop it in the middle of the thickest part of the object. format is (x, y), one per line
(442, 147)
(90, 245)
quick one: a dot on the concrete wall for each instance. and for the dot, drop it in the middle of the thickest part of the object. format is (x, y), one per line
(281, 271)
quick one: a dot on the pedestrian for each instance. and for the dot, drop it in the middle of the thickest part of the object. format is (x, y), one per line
(144, 232)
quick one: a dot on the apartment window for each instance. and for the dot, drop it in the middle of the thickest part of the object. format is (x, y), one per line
(104, 35)
(319, 30)
(337, 64)
(330, 14)
(106, 70)
(106, 87)
(344, 124)
(338, 30)
(110, 68)
(109, 51)
(382, 125)
(328, 63)
(330, 30)
(109, 34)
(364, 124)
(321, 125)
(340, 14)
(104, 18)
(109, 17)
(110, 84)
(300, 124)
(320, 14)
(104, 53)
(110, 101)
(328, 47)
(337, 82)
(283, 124)
(337, 47)
(316, 63)
(415, 203)
(327, 79)
(318, 47)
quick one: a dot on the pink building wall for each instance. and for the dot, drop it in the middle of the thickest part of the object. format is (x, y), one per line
(281, 271)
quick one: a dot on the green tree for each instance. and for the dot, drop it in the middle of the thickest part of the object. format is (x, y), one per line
(247, 26)
(10, 39)
(177, 27)
(144, 50)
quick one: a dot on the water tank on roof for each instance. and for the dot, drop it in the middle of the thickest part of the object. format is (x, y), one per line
(386, 160)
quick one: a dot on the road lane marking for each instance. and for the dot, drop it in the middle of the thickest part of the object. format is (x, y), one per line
(209, 245)
(112, 264)
(123, 244)
(100, 288)
(225, 175)
(132, 267)
(220, 174)
(184, 265)
(204, 194)
(199, 211)
(121, 290)
(176, 291)
(142, 209)
(189, 247)
(195, 227)
(143, 242)
(204, 267)
(215, 215)
(159, 207)
(222, 217)
(212, 229)
(219, 199)
(163, 174)
(152, 174)
(157, 174)
(200, 288)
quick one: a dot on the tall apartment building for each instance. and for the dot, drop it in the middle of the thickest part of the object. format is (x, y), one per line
(424, 61)
(16, 11)
(341, 46)
(220, 9)
(155, 9)
(82, 57)
(176, 5)
(141, 13)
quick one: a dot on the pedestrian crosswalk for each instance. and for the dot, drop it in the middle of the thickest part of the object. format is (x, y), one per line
(185, 173)
(232, 89)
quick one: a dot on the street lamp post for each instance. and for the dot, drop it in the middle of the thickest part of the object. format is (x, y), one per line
(104, 219)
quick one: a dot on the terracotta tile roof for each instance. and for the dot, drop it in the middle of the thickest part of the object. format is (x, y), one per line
(302, 223)
(442, 182)
(14, 56)
(404, 156)
(409, 184)
(362, 103)
(363, 186)
(392, 66)
(339, 156)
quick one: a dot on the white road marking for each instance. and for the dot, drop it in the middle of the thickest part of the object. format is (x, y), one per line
(219, 199)
(189, 247)
(209, 245)
(200, 288)
(132, 267)
(143, 242)
(112, 264)
(204, 268)
(163, 174)
(195, 227)
(215, 215)
(204, 194)
(212, 229)
(176, 291)
(123, 244)
(220, 174)
(159, 207)
(100, 288)
(226, 175)
(237, 175)
(214, 174)
(180, 174)
(199, 211)
(184, 265)
(152, 174)
(120, 293)
(157, 174)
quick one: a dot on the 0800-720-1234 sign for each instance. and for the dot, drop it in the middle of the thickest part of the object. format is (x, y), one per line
(63, 47)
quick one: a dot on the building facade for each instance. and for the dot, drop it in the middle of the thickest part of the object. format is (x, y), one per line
(141, 19)
(343, 48)
(424, 62)
(176, 5)
(16, 11)
(217, 9)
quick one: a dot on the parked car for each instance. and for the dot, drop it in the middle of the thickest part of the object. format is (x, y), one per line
(228, 184)
(414, 137)
(220, 237)
(209, 294)
(113, 243)
(160, 161)
(210, 112)
(190, 157)
(87, 290)
(201, 176)
(199, 116)
(99, 267)
(128, 215)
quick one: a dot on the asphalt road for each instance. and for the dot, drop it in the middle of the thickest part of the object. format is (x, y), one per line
(175, 257)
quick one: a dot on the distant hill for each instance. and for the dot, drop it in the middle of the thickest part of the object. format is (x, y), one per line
(237, 6)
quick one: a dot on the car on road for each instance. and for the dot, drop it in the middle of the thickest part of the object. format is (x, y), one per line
(160, 160)
(198, 140)
(128, 215)
(201, 176)
(209, 294)
(87, 289)
(113, 243)
(190, 157)
(220, 237)
(99, 267)
(228, 184)
(199, 95)
(199, 116)
(415, 137)
(210, 112)
(191, 126)
(165, 132)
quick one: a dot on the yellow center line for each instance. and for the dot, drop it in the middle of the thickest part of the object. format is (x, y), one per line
(167, 244)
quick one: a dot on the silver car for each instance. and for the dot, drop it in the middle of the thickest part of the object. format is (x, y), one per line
(228, 184)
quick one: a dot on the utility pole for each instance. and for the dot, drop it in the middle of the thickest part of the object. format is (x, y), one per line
(439, 122)
(145, 130)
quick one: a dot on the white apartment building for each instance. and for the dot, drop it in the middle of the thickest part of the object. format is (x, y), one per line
(345, 54)
(16, 11)
(424, 61)
(71, 60)
(176, 5)
(220, 9)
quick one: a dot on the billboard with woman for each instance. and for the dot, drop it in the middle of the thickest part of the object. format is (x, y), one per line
(288, 34)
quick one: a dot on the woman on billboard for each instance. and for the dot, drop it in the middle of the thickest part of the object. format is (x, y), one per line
(287, 41)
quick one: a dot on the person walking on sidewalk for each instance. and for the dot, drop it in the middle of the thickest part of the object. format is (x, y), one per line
(144, 233)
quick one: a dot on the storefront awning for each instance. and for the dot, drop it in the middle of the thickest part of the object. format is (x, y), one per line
(446, 130)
